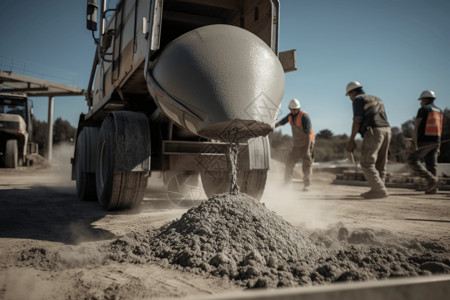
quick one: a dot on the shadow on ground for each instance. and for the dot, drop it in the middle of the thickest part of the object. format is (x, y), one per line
(49, 213)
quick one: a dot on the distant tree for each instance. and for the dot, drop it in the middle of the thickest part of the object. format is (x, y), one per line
(342, 136)
(398, 151)
(408, 128)
(324, 134)
(398, 145)
(333, 149)
(63, 131)
(40, 131)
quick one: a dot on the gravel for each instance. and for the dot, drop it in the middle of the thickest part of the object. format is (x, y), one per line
(239, 239)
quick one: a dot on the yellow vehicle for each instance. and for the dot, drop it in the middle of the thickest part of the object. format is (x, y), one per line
(15, 130)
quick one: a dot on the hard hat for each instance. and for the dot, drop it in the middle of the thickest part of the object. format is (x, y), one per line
(351, 86)
(294, 104)
(427, 94)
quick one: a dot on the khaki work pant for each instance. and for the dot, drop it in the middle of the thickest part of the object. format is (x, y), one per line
(428, 152)
(374, 156)
(306, 156)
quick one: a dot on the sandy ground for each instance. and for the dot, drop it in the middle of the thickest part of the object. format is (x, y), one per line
(40, 213)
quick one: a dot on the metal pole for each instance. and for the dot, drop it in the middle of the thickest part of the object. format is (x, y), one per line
(50, 129)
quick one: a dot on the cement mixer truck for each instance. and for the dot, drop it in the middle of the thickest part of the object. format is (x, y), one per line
(172, 83)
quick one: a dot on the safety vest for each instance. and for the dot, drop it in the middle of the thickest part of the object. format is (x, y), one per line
(297, 129)
(433, 125)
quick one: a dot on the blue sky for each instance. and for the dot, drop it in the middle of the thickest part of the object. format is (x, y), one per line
(395, 48)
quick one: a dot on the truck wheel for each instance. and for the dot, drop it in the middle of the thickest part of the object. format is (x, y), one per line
(184, 189)
(85, 162)
(117, 189)
(251, 182)
(11, 154)
(215, 182)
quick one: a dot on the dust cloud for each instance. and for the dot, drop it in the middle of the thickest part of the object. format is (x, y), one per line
(294, 204)
(22, 285)
(65, 257)
(60, 165)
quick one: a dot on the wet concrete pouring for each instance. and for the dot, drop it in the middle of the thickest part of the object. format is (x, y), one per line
(236, 239)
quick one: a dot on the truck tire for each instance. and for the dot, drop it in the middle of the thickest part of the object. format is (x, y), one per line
(184, 189)
(11, 154)
(117, 189)
(251, 182)
(85, 163)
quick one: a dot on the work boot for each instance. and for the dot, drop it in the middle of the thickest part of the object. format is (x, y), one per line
(367, 193)
(306, 188)
(433, 184)
(364, 193)
(375, 194)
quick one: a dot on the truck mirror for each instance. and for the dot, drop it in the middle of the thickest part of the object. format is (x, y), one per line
(92, 8)
(288, 60)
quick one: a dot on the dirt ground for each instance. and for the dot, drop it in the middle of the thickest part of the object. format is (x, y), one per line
(40, 215)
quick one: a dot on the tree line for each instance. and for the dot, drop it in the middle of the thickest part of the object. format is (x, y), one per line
(63, 131)
(330, 147)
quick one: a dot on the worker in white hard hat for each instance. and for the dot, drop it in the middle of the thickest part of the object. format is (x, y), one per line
(426, 141)
(303, 146)
(370, 120)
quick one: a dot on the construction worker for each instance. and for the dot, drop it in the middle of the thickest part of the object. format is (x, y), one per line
(369, 119)
(426, 141)
(303, 143)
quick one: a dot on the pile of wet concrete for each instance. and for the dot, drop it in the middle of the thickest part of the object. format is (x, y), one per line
(238, 238)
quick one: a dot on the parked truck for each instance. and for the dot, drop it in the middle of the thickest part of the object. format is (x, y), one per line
(16, 146)
(172, 83)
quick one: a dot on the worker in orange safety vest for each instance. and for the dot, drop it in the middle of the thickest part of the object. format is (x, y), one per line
(426, 141)
(303, 143)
